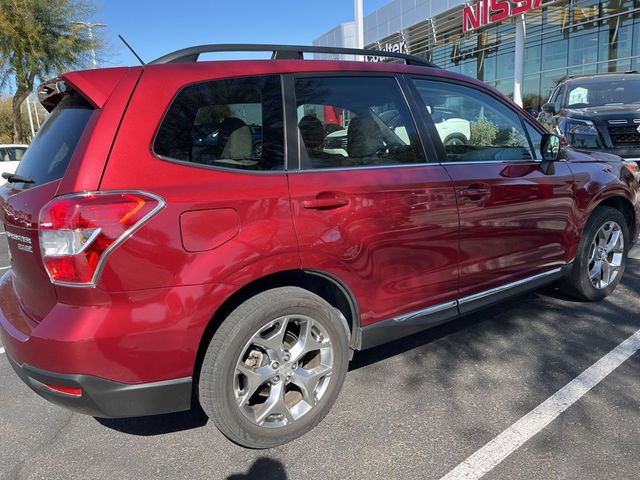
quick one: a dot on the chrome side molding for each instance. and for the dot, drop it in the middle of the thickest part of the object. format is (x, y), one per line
(508, 286)
(419, 320)
(427, 311)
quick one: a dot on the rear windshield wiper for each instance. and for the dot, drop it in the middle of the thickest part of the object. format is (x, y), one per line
(13, 178)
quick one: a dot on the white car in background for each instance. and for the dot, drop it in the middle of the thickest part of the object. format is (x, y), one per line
(10, 156)
(452, 130)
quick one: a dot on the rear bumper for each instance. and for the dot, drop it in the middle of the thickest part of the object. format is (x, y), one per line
(132, 354)
(105, 398)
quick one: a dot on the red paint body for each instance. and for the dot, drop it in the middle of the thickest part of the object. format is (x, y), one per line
(403, 238)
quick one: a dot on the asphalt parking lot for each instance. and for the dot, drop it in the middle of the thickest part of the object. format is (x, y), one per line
(415, 408)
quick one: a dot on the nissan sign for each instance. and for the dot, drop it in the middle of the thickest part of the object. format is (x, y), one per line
(486, 12)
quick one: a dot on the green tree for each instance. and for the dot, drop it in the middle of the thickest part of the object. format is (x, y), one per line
(6, 121)
(483, 132)
(40, 39)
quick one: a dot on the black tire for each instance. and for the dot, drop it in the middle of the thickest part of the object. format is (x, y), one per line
(455, 140)
(577, 282)
(219, 377)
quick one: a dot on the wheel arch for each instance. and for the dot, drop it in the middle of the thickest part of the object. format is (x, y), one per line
(453, 135)
(624, 206)
(323, 284)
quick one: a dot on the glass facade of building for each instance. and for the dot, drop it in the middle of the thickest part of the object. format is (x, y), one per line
(564, 37)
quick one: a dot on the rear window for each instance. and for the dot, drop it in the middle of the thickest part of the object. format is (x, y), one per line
(234, 123)
(48, 156)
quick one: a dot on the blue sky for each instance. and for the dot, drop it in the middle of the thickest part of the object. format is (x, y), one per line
(154, 28)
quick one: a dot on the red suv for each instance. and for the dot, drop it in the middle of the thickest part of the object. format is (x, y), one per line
(186, 227)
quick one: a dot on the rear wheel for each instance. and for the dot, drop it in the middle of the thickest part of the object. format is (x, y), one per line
(601, 258)
(274, 368)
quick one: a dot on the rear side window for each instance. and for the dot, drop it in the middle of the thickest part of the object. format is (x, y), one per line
(48, 156)
(354, 122)
(234, 123)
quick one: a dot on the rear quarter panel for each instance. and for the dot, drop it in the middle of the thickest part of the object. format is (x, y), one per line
(261, 242)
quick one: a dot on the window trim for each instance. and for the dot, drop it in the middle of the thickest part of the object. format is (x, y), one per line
(560, 101)
(439, 145)
(296, 166)
(215, 167)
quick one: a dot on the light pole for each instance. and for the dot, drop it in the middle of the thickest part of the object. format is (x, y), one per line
(90, 27)
(518, 78)
(359, 21)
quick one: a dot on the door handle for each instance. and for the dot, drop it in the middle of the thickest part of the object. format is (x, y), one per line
(475, 192)
(326, 202)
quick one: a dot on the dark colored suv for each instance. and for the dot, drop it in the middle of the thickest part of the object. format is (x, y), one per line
(597, 112)
(148, 265)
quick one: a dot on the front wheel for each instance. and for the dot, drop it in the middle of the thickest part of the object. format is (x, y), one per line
(601, 258)
(274, 368)
(455, 141)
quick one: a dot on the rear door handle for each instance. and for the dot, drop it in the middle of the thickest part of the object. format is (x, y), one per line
(326, 201)
(475, 192)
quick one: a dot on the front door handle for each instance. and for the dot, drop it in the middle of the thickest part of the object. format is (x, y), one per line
(326, 201)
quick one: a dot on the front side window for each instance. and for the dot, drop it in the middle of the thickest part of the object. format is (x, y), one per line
(354, 122)
(472, 125)
(234, 123)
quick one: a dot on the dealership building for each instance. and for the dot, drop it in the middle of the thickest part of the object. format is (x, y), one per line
(520, 47)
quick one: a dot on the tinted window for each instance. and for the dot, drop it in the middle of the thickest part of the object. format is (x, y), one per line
(472, 125)
(603, 91)
(18, 153)
(536, 139)
(354, 121)
(234, 123)
(48, 156)
(12, 154)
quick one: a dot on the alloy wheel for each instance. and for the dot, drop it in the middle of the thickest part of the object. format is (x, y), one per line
(606, 255)
(283, 371)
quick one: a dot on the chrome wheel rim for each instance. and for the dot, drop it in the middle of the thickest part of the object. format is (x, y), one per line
(606, 255)
(283, 371)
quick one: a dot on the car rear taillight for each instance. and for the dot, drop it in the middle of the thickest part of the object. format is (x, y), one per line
(79, 231)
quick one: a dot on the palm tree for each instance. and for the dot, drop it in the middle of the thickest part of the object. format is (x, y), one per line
(40, 39)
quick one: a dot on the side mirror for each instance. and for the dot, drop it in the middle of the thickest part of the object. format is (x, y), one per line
(549, 108)
(550, 148)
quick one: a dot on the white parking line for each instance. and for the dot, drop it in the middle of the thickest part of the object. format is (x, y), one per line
(494, 452)
(2, 269)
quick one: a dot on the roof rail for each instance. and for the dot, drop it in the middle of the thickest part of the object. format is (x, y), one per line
(283, 52)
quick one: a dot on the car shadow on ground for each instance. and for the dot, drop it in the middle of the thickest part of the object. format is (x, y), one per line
(262, 469)
(159, 424)
(367, 357)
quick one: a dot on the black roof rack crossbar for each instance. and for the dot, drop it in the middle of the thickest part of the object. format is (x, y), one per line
(284, 52)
